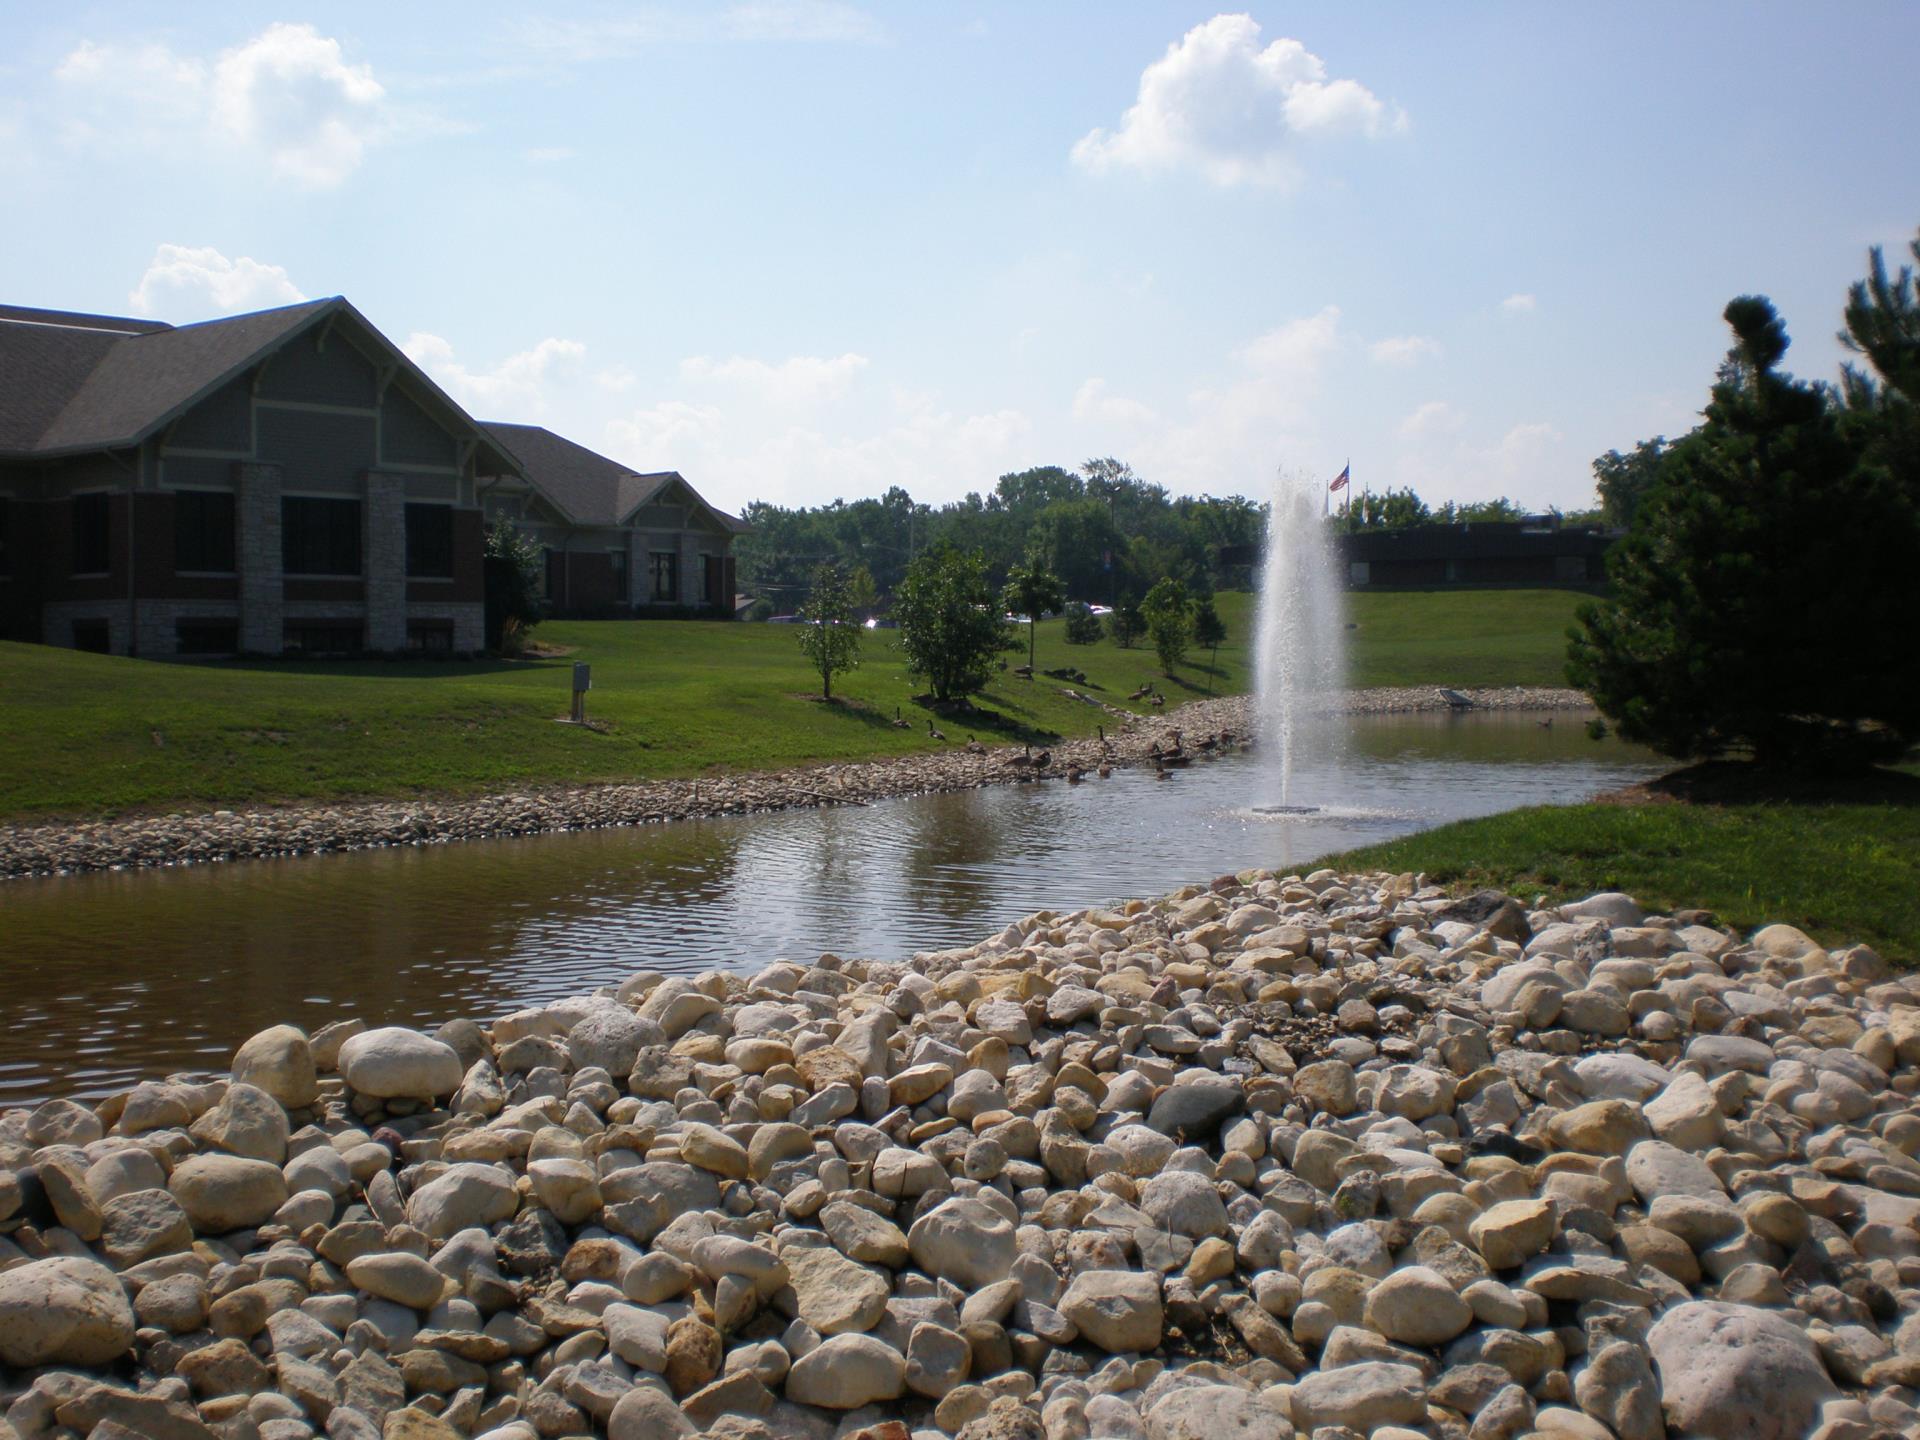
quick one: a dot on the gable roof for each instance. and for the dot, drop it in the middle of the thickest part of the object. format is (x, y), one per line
(586, 486)
(79, 384)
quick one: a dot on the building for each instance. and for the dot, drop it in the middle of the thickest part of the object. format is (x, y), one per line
(289, 482)
(1484, 554)
(614, 541)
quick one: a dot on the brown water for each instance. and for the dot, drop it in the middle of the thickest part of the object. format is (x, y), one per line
(110, 978)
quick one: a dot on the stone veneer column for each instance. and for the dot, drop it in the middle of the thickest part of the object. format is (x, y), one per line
(690, 591)
(383, 560)
(262, 594)
(639, 577)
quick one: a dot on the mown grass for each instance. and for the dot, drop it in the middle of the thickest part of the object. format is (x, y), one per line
(92, 735)
(1843, 866)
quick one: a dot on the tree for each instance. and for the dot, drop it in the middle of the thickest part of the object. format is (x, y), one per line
(829, 635)
(1169, 616)
(862, 596)
(1208, 630)
(950, 625)
(1624, 479)
(510, 565)
(1391, 510)
(1032, 589)
(1126, 624)
(1768, 570)
(1083, 626)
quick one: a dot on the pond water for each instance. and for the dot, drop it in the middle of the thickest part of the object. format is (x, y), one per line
(110, 978)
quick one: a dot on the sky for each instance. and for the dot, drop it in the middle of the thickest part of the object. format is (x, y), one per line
(806, 249)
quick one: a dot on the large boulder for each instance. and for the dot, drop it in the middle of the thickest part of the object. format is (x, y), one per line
(1361, 1397)
(463, 1196)
(1737, 1372)
(965, 1241)
(280, 1062)
(844, 1372)
(64, 1311)
(611, 1037)
(227, 1192)
(396, 1063)
(1118, 1310)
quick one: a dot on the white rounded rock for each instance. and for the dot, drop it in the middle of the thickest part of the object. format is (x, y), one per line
(396, 1063)
(844, 1372)
(64, 1311)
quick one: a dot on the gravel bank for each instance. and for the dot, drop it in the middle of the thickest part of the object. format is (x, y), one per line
(1332, 1155)
(190, 837)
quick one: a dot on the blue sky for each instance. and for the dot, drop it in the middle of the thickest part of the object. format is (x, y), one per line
(799, 249)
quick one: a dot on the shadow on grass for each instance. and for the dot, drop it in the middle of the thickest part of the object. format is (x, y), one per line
(964, 717)
(868, 715)
(1739, 782)
(410, 668)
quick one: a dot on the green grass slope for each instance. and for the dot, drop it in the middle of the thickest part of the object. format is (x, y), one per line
(91, 735)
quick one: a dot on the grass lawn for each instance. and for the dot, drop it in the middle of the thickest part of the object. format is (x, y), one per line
(93, 735)
(1841, 862)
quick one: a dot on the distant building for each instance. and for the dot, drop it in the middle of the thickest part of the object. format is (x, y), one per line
(289, 482)
(1478, 555)
(613, 541)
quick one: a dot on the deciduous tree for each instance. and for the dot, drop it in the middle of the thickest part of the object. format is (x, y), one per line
(1169, 616)
(829, 634)
(950, 625)
(1032, 589)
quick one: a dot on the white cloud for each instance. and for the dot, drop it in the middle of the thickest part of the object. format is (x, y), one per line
(1432, 420)
(287, 98)
(1220, 104)
(666, 436)
(1519, 305)
(1401, 351)
(1092, 402)
(755, 452)
(188, 284)
(518, 386)
(798, 382)
(1265, 415)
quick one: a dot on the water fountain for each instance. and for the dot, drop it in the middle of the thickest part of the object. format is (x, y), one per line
(1301, 660)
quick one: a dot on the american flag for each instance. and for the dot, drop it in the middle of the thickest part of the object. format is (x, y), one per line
(1340, 480)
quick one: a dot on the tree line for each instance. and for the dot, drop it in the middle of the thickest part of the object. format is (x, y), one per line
(1108, 534)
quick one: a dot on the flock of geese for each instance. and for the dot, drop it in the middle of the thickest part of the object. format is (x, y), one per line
(1164, 757)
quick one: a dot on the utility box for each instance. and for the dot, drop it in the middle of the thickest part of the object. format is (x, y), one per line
(582, 682)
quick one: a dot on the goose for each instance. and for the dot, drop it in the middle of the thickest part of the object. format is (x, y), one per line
(900, 723)
(1156, 700)
(1143, 692)
(974, 747)
(1105, 771)
(1023, 759)
(1043, 759)
(1546, 724)
(1074, 772)
(934, 734)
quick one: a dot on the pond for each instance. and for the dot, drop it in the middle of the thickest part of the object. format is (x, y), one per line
(109, 978)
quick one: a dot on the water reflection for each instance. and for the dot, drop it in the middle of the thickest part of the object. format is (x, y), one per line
(108, 978)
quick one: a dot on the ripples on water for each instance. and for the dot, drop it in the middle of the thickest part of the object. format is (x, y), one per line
(107, 979)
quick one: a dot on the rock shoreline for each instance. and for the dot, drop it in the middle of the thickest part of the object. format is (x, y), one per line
(204, 837)
(1326, 1155)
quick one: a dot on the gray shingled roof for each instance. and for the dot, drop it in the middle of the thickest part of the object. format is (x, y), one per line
(76, 384)
(587, 486)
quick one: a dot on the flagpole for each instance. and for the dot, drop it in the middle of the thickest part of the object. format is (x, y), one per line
(1348, 472)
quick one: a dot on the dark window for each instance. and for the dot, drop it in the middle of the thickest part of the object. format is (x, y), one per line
(91, 529)
(92, 635)
(207, 637)
(666, 574)
(617, 559)
(324, 637)
(203, 531)
(319, 537)
(430, 541)
(6, 555)
(551, 574)
(434, 637)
